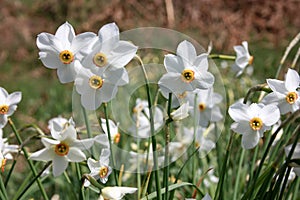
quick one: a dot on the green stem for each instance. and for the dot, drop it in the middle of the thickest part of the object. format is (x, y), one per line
(195, 122)
(223, 57)
(3, 190)
(88, 128)
(78, 173)
(28, 160)
(155, 159)
(296, 191)
(110, 145)
(237, 183)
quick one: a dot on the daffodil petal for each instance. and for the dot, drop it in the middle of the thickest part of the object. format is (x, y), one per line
(249, 141)
(60, 164)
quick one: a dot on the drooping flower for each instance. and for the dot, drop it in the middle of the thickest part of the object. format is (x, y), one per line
(108, 51)
(99, 169)
(243, 58)
(207, 108)
(98, 88)
(252, 121)
(6, 148)
(8, 105)
(186, 71)
(116, 193)
(61, 150)
(61, 51)
(285, 94)
(296, 155)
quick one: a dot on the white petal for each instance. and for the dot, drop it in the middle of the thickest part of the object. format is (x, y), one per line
(201, 62)
(239, 112)
(65, 33)
(277, 86)
(60, 164)
(92, 164)
(123, 54)
(109, 36)
(171, 83)
(270, 114)
(104, 157)
(292, 80)
(116, 193)
(3, 120)
(82, 40)
(42, 155)
(273, 97)
(50, 59)
(173, 63)
(66, 73)
(47, 142)
(187, 52)
(249, 141)
(242, 127)
(75, 155)
(203, 80)
(3, 93)
(48, 42)
(14, 98)
(84, 144)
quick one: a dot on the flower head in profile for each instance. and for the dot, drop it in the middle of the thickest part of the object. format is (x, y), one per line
(181, 112)
(6, 148)
(99, 169)
(252, 121)
(207, 108)
(243, 58)
(113, 129)
(60, 123)
(296, 155)
(61, 150)
(116, 193)
(285, 94)
(61, 51)
(185, 71)
(8, 105)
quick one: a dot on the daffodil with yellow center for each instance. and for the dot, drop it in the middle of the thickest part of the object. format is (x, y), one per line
(100, 59)
(66, 56)
(4, 109)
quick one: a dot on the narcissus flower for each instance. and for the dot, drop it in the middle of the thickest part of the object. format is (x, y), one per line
(113, 129)
(107, 50)
(206, 104)
(186, 71)
(60, 51)
(116, 193)
(5, 148)
(59, 123)
(99, 169)
(243, 58)
(252, 121)
(8, 105)
(285, 93)
(61, 150)
(181, 112)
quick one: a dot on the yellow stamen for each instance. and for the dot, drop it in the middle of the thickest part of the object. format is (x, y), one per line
(201, 106)
(4, 109)
(117, 138)
(100, 59)
(61, 149)
(103, 172)
(256, 123)
(250, 61)
(96, 82)
(66, 56)
(187, 75)
(291, 97)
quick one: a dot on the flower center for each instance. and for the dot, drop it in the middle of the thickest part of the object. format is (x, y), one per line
(4, 109)
(187, 75)
(250, 61)
(100, 59)
(291, 97)
(201, 106)
(61, 149)
(96, 82)
(117, 138)
(103, 171)
(256, 123)
(66, 56)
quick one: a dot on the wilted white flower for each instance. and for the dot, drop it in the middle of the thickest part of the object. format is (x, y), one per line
(285, 93)
(252, 121)
(8, 105)
(186, 71)
(243, 58)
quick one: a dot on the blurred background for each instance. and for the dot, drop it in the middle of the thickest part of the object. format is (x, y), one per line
(267, 25)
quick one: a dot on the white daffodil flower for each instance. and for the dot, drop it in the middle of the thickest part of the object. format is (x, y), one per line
(243, 58)
(285, 94)
(8, 105)
(252, 121)
(60, 51)
(5, 148)
(296, 155)
(108, 51)
(141, 116)
(207, 108)
(97, 88)
(63, 149)
(99, 169)
(186, 71)
(116, 193)
(113, 129)
(181, 112)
